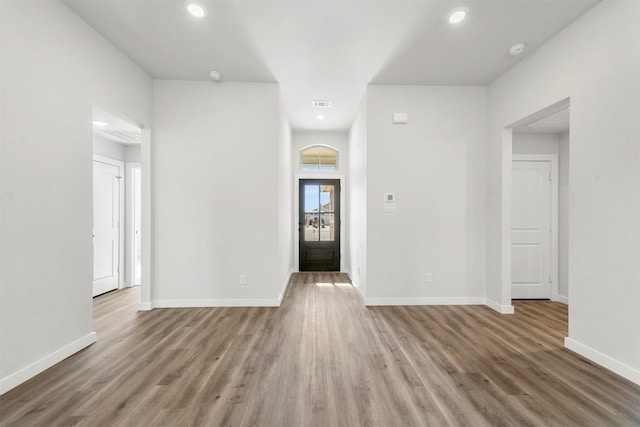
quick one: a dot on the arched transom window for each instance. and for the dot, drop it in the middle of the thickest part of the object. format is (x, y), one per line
(319, 157)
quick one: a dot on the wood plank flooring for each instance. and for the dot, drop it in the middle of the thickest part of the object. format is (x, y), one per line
(323, 359)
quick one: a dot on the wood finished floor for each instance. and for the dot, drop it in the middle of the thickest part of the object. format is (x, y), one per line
(323, 359)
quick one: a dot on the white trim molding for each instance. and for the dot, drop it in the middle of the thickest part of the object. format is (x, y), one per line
(148, 216)
(129, 221)
(145, 306)
(45, 363)
(500, 308)
(363, 297)
(563, 299)
(219, 302)
(425, 301)
(285, 286)
(622, 369)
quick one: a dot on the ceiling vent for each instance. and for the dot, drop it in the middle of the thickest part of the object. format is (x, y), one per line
(321, 104)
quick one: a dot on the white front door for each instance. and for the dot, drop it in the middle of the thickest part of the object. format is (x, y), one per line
(106, 227)
(531, 275)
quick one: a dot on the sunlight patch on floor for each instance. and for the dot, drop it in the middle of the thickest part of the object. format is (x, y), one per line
(344, 285)
(333, 285)
(324, 285)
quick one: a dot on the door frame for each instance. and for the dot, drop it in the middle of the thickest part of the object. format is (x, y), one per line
(121, 211)
(553, 206)
(130, 221)
(503, 305)
(147, 164)
(296, 215)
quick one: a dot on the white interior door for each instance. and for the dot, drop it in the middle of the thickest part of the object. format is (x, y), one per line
(106, 227)
(531, 273)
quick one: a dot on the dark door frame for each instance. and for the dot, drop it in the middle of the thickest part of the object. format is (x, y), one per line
(296, 214)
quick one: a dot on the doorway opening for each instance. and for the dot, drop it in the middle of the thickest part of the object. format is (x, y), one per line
(538, 242)
(117, 202)
(319, 225)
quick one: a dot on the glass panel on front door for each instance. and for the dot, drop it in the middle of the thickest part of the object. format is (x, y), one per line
(319, 223)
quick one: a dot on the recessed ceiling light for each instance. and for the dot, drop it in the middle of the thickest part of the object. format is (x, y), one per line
(99, 123)
(457, 15)
(516, 49)
(320, 117)
(195, 9)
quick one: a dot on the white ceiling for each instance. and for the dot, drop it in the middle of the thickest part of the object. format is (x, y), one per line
(328, 49)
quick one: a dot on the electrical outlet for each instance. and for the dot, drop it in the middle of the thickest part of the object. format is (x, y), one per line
(243, 279)
(427, 278)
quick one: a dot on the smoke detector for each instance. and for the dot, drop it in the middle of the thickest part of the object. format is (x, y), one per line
(516, 49)
(214, 75)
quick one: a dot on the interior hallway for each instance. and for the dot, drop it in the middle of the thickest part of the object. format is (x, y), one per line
(323, 359)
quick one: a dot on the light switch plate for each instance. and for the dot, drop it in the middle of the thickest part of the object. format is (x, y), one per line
(400, 118)
(389, 202)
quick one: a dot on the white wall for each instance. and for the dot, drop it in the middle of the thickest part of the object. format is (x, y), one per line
(596, 62)
(434, 165)
(115, 150)
(46, 174)
(217, 179)
(563, 216)
(356, 244)
(528, 143)
(132, 153)
(108, 148)
(285, 199)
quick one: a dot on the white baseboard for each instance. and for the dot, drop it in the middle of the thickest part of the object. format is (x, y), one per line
(425, 301)
(226, 302)
(145, 306)
(359, 289)
(220, 302)
(563, 299)
(45, 363)
(622, 369)
(502, 309)
(283, 290)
